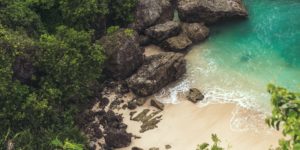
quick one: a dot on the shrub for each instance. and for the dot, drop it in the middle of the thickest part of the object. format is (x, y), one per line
(112, 29)
(285, 116)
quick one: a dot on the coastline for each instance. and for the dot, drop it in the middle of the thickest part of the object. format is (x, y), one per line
(185, 125)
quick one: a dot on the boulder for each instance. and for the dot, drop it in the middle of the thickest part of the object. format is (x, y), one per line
(141, 101)
(157, 104)
(117, 138)
(154, 148)
(123, 53)
(132, 104)
(195, 31)
(144, 40)
(151, 12)
(156, 72)
(195, 95)
(136, 148)
(163, 31)
(210, 11)
(168, 146)
(177, 43)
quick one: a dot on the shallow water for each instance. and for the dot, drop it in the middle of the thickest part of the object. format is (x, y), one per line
(240, 58)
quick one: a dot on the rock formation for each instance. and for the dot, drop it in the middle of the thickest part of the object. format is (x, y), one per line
(210, 11)
(156, 72)
(151, 12)
(124, 56)
(163, 31)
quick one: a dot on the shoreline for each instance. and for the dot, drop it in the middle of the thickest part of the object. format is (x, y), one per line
(185, 125)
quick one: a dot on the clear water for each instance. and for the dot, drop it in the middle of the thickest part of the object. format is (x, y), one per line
(240, 58)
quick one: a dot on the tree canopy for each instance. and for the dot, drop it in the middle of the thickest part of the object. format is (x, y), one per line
(50, 65)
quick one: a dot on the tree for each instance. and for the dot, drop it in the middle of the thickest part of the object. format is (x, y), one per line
(285, 116)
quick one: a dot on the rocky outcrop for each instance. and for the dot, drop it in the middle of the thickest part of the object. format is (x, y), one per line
(163, 31)
(144, 40)
(210, 11)
(195, 95)
(197, 32)
(156, 72)
(177, 43)
(150, 12)
(116, 135)
(117, 138)
(123, 53)
(157, 104)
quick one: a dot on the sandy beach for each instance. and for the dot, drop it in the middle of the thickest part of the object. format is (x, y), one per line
(185, 125)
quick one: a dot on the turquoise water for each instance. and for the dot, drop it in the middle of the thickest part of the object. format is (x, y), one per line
(240, 58)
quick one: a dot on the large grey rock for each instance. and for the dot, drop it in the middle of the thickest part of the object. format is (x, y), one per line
(156, 72)
(151, 12)
(163, 31)
(195, 95)
(195, 31)
(177, 43)
(124, 55)
(210, 11)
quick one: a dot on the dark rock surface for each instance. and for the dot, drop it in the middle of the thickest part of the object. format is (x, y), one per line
(123, 53)
(150, 12)
(195, 31)
(157, 104)
(132, 104)
(163, 31)
(195, 95)
(117, 138)
(177, 43)
(136, 148)
(144, 40)
(210, 11)
(141, 101)
(157, 71)
(168, 146)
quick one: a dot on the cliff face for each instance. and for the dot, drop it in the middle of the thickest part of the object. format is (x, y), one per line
(210, 11)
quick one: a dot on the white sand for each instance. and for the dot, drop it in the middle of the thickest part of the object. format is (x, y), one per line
(185, 125)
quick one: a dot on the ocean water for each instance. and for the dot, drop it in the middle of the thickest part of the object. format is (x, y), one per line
(240, 58)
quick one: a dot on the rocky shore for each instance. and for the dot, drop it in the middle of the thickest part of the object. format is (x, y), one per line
(135, 76)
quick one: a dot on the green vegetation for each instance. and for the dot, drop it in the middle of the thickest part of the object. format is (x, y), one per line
(112, 29)
(214, 146)
(285, 116)
(49, 66)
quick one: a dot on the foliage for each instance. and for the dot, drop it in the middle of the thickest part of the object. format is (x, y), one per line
(214, 146)
(39, 16)
(129, 32)
(112, 29)
(285, 116)
(66, 145)
(50, 65)
(122, 11)
(66, 62)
